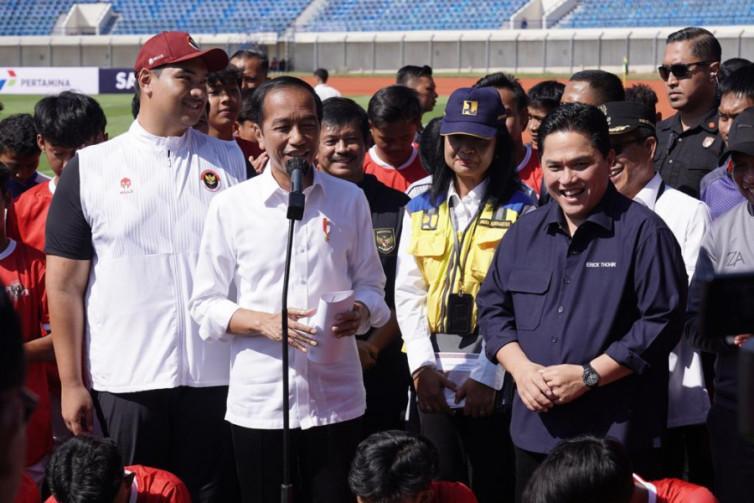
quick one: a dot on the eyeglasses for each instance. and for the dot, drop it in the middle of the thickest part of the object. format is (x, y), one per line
(680, 70)
(619, 147)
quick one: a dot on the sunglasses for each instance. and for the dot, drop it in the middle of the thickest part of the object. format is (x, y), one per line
(619, 147)
(680, 70)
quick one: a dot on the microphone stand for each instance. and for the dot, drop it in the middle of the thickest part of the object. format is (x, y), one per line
(296, 201)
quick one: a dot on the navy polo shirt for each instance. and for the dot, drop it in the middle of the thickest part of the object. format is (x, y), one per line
(618, 286)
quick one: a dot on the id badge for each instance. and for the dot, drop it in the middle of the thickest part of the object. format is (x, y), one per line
(460, 308)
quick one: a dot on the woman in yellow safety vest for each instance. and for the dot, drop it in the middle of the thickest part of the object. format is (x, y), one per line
(449, 236)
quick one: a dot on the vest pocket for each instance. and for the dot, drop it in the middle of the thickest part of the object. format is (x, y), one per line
(427, 245)
(529, 291)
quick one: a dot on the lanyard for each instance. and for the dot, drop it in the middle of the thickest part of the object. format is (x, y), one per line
(458, 263)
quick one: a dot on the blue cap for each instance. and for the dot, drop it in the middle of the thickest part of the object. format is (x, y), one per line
(475, 111)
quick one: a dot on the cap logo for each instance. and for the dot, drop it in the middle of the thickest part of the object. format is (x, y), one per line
(193, 44)
(470, 107)
(156, 58)
(603, 109)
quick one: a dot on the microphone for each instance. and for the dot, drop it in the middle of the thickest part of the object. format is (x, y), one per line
(296, 168)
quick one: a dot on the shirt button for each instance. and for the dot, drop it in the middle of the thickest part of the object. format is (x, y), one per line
(567, 280)
(670, 161)
(554, 340)
(680, 140)
(560, 309)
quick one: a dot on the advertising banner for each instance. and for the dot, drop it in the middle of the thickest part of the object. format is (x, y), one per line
(48, 80)
(116, 80)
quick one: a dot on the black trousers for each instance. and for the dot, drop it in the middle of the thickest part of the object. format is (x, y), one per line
(320, 460)
(732, 457)
(477, 452)
(181, 430)
(686, 455)
(647, 464)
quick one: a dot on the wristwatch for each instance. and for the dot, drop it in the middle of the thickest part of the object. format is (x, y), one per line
(590, 376)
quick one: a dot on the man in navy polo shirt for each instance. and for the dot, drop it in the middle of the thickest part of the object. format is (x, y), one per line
(583, 304)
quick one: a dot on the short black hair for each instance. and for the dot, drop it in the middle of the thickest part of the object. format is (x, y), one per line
(12, 360)
(260, 93)
(18, 135)
(392, 465)
(546, 94)
(229, 75)
(704, 44)
(135, 103)
(606, 85)
(5, 175)
(576, 118)
(253, 54)
(500, 80)
(339, 112)
(642, 93)
(85, 469)
(322, 74)
(729, 66)
(410, 72)
(583, 470)
(247, 102)
(394, 103)
(69, 119)
(430, 144)
(740, 83)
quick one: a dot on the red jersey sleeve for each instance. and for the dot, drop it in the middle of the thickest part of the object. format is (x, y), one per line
(28, 492)
(680, 491)
(158, 486)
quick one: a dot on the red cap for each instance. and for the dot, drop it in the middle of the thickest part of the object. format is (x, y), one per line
(176, 46)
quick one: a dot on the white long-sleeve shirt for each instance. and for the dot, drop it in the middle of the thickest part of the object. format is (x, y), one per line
(411, 295)
(688, 219)
(241, 265)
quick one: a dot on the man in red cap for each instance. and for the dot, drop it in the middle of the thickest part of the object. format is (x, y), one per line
(123, 235)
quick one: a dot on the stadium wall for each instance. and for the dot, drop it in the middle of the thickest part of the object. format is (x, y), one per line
(518, 51)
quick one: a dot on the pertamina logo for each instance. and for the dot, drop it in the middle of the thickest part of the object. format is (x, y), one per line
(11, 81)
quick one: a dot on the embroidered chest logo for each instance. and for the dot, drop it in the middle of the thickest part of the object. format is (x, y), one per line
(211, 180)
(385, 239)
(732, 259)
(16, 290)
(708, 141)
(430, 219)
(125, 186)
(601, 265)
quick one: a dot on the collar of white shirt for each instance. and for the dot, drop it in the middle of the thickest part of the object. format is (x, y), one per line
(648, 194)
(466, 208)
(385, 164)
(168, 142)
(269, 187)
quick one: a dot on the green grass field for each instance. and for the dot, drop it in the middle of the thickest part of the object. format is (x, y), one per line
(117, 108)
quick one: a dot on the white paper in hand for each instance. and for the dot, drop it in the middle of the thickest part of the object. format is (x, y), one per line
(330, 348)
(457, 368)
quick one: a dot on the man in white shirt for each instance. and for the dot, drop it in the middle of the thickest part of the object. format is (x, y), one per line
(123, 234)
(321, 86)
(633, 137)
(243, 252)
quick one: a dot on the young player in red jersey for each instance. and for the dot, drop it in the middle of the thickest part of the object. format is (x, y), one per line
(399, 466)
(64, 123)
(592, 469)
(93, 467)
(394, 117)
(22, 271)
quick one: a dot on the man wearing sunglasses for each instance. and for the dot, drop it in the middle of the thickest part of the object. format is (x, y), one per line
(633, 138)
(689, 143)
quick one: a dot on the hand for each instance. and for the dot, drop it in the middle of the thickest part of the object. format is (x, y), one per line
(741, 339)
(77, 409)
(368, 353)
(535, 393)
(429, 384)
(271, 326)
(260, 162)
(348, 323)
(566, 382)
(480, 398)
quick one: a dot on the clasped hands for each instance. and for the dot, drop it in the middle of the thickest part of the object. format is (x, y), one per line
(430, 384)
(542, 388)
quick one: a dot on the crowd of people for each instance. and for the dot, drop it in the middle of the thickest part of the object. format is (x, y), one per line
(521, 320)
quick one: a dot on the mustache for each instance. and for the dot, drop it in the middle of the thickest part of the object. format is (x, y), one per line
(342, 158)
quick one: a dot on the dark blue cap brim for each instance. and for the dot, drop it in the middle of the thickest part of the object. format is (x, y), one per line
(468, 128)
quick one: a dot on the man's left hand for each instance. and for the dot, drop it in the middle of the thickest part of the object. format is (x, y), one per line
(565, 381)
(348, 323)
(480, 398)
